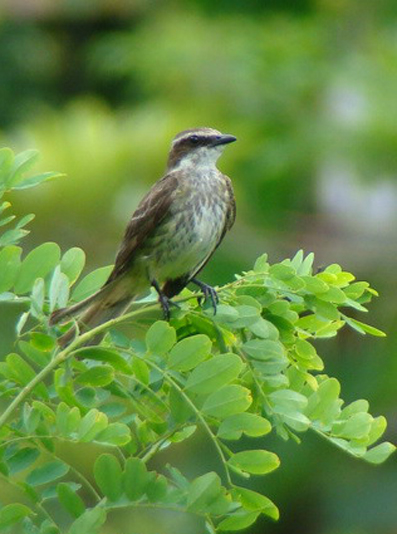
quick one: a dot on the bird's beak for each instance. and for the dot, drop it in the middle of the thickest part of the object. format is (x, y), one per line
(223, 139)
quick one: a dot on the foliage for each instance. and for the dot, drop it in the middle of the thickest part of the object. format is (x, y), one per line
(237, 375)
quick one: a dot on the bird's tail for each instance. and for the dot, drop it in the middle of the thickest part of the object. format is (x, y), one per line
(93, 311)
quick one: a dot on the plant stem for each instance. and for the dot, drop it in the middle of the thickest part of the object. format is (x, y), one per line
(61, 356)
(207, 428)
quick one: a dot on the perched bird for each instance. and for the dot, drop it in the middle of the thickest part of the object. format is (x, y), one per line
(172, 234)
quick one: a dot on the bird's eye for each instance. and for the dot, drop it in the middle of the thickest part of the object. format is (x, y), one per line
(194, 139)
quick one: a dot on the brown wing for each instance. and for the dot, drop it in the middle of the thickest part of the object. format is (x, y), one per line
(150, 212)
(231, 214)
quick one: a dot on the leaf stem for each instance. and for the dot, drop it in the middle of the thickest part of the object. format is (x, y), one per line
(197, 412)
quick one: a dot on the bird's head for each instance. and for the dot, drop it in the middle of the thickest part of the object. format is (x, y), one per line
(199, 147)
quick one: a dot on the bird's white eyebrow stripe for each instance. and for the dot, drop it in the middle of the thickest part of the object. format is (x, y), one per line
(179, 139)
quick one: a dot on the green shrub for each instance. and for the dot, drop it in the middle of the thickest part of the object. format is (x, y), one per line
(248, 370)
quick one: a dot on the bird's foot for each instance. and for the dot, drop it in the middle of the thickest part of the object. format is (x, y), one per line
(208, 292)
(165, 302)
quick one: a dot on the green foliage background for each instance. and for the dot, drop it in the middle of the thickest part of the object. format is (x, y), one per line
(309, 90)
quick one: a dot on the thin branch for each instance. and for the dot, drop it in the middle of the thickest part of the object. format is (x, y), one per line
(197, 412)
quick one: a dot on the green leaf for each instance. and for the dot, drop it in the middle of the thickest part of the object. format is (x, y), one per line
(157, 489)
(355, 427)
(214, 373)
(325, 310)
(91, 283)
(264, 329)
(380, 453)
(333, 294)
(92, 424)
(180, 409)
(227, 401)
(261, 265)
(203, 491)
(356, 290)
(9, 266)
(18, 370)
(356, 305)
(238, 521)
(72, 263)
(4, 205)
(286, 398)
(32, 181)
(357, 406)
(7, 220)
(46, 412)
(280, 271)
(115, 434)
(253, 501)
(22, 373)
(297, 260)
(135, 478)
(363, 328)
(36, 356)
(378, 428)
(22, 459)
(67, 420)
(183, 434)
(305, 349)
(248, 315)
(256, 462)
(100, 354)
(248, 300)
(90, 522)
(160, 338)
(189, 352)
(37, 298)
(141, 370)
(330, 329)
(224, 314)
(315, 285)
(248, 423)
(42, 342)
(70, 500)
(21, 323)
(47, 473)
(37, 264)
(108, 476)
(97, 376)
(13, 513)
(324, 403)
(264, 349)
(307, 264)
(12, 237)
(295, 419)
(31, 418)
(25, 220)
(59, 289)
(22, 163)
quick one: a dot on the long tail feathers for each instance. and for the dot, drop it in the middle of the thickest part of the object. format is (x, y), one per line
(94, 316)
(64, 314)
(93, 311)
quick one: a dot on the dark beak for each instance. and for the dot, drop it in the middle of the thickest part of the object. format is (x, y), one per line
(223, 139)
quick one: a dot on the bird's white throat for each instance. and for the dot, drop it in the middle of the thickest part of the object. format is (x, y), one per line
(201, 159)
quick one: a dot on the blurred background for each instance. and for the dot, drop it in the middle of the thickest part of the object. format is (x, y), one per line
(309, 87)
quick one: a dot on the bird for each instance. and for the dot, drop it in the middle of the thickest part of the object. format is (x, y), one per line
(171, 235)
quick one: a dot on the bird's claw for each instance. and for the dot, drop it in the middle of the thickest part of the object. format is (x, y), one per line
(166, 304)
(209, 293)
